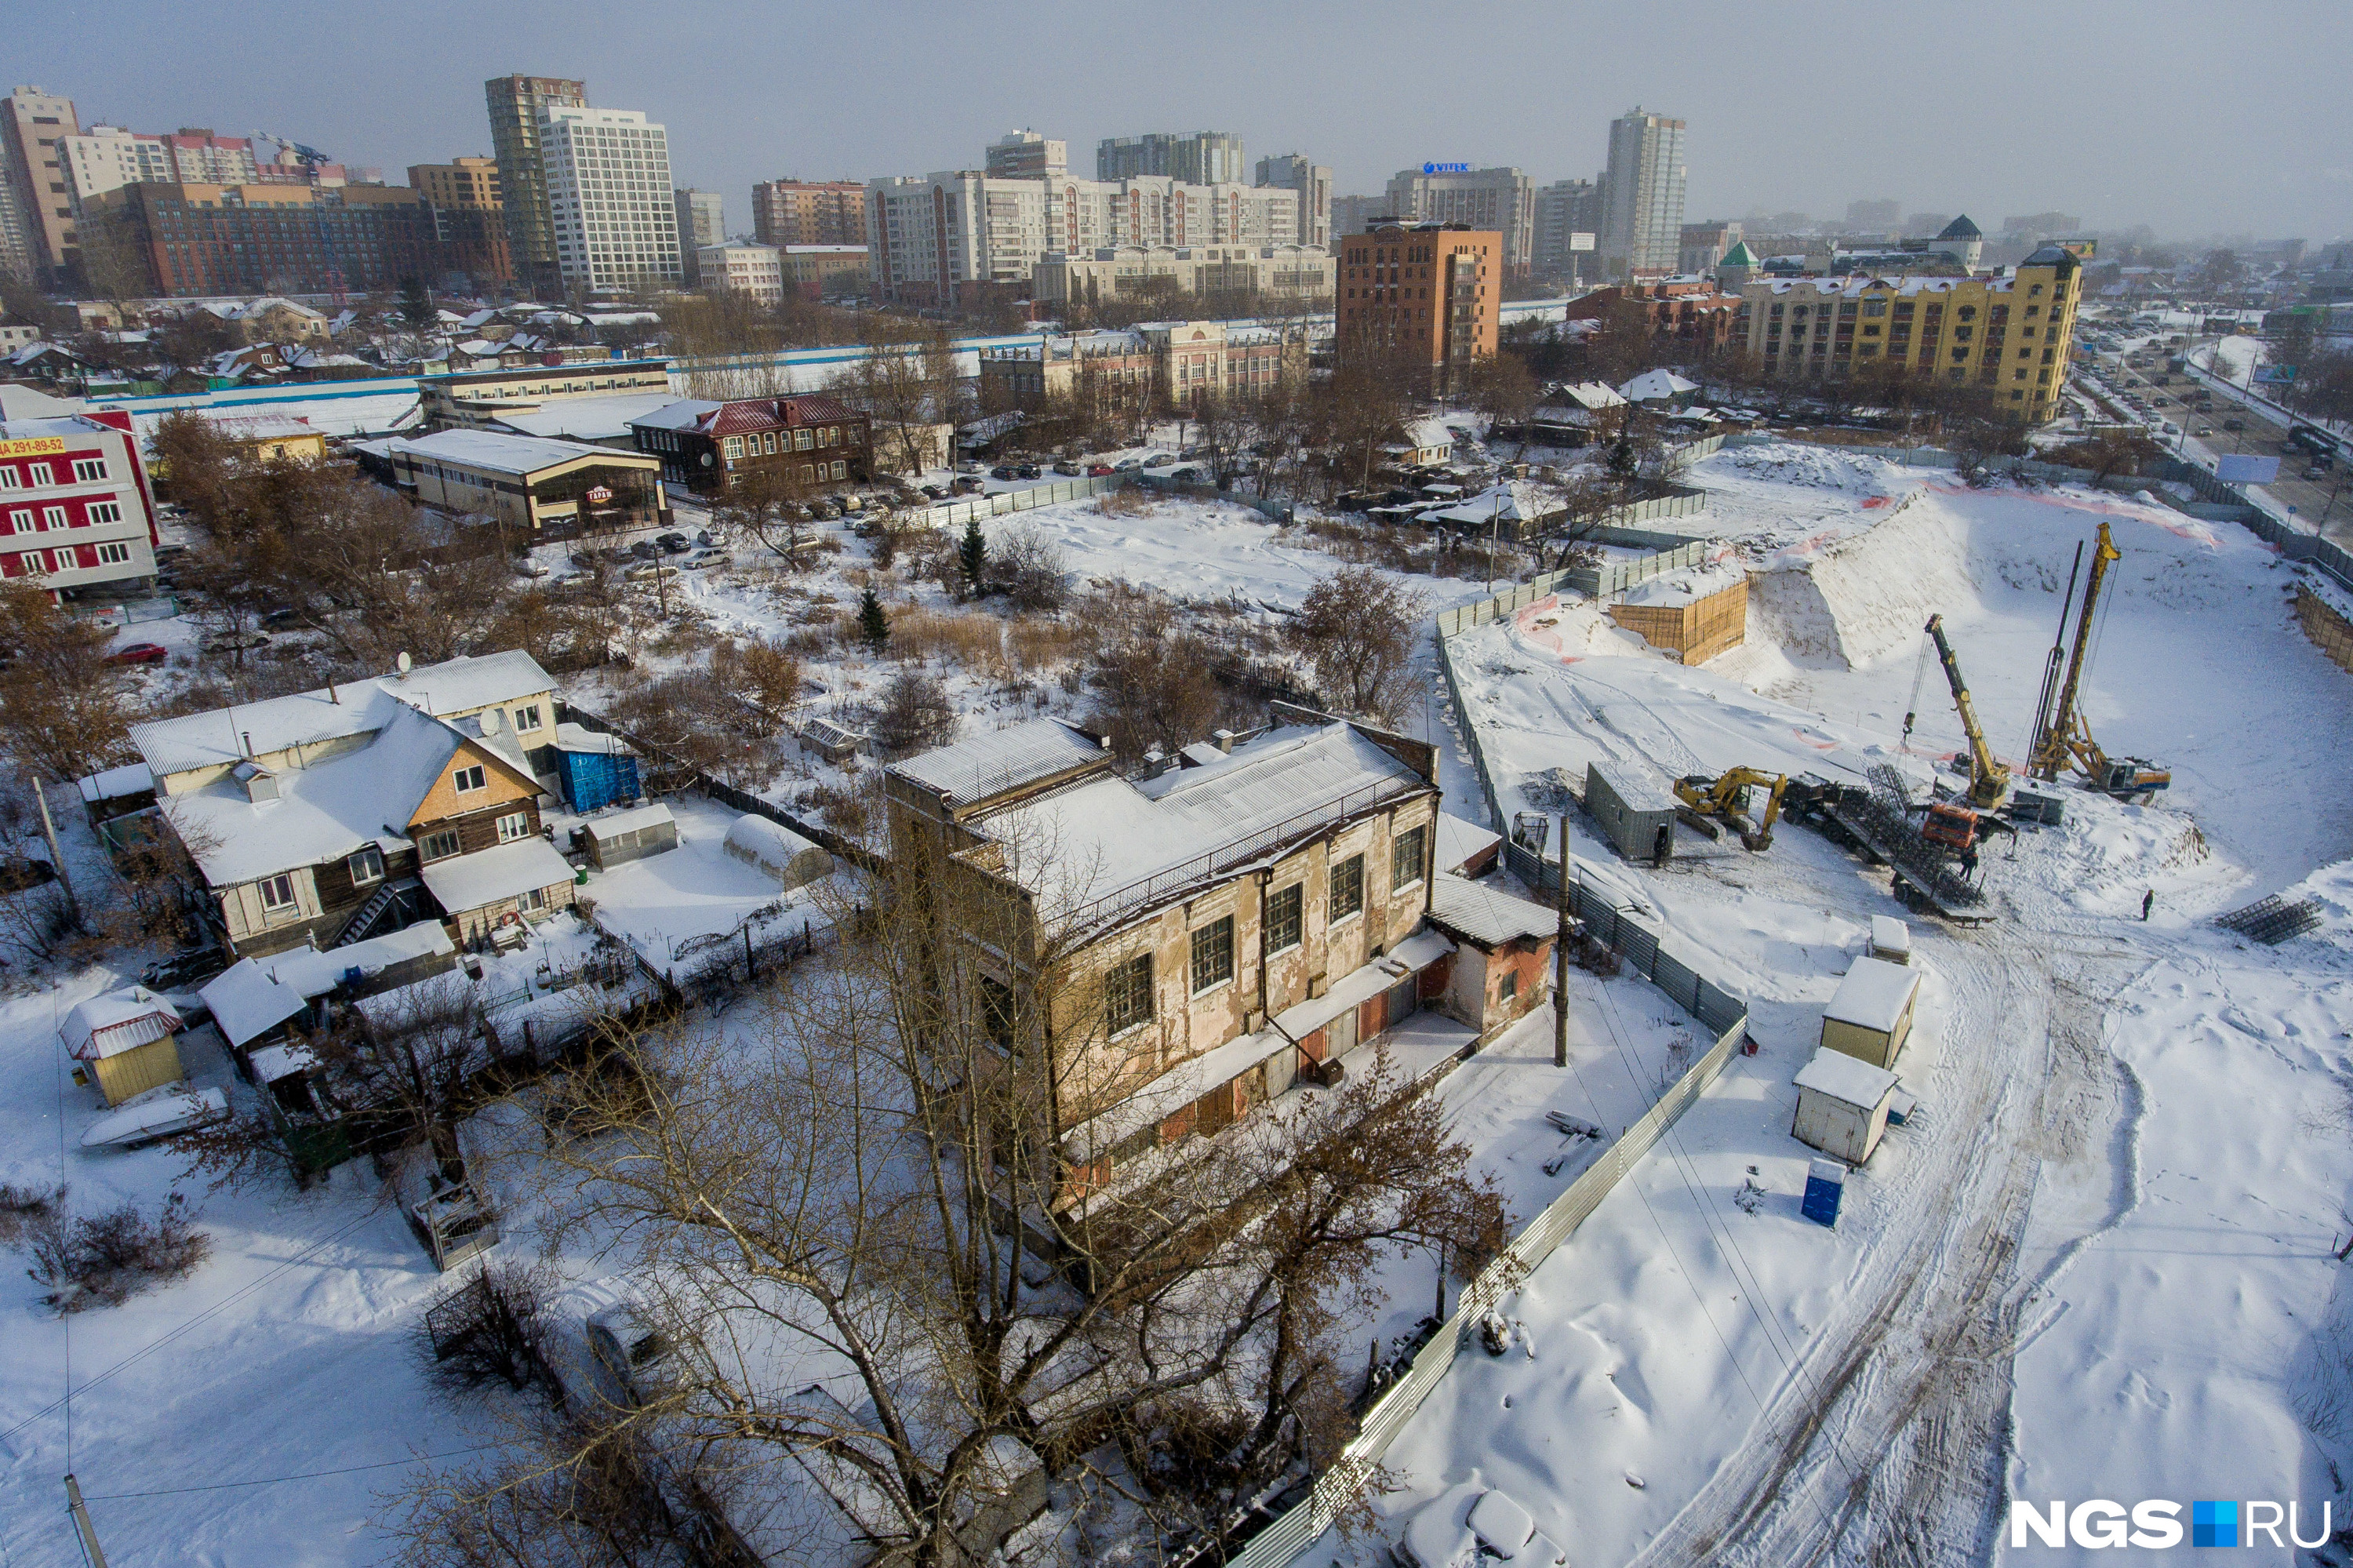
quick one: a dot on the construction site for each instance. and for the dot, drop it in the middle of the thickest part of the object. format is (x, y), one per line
(2041, 752)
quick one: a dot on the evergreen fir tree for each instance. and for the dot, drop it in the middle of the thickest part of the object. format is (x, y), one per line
(873, 626)
(975, 558)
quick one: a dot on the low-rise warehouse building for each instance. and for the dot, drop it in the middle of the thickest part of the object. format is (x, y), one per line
(1633, 811)
(549, 489)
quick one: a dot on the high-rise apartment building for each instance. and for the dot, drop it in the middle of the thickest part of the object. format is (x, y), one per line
(468, 217)
(610, 203)
(516, 103)
(1568, 228)
(1498, 200)
(702, 220)
(201, 158)
(1026, 155)
(1420, 295)
(461, 185)
(1313, 182)
(809, 212)
(936, 237)
(33, 126)
(106, 157)
(1643, 222)
(1195, 157)
(279, 238)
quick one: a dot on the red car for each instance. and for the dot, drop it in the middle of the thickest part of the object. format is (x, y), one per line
(1098, 470)
(139, 653)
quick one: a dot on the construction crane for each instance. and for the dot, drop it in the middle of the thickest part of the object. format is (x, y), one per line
(1989, 779)
(2061, 737)
(310, 158)
(1725, 799)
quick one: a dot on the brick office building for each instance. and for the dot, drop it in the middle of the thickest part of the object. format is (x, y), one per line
(704, 444)
(194, 240)
(1690, 311)
(1426, 295)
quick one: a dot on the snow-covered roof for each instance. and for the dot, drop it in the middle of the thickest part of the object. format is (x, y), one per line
(458, 685)
(248, 1002)
(1429, 432)
(31, 403)
(1685, 586)
(570, 737)
(1003, 759)
(770, 846)
(1636, 790)
(613, 824)
(1486, 914)
(1413, 954)
(1874, 994)
(1461, 841)
(131, 779)
(324, 811)
(605, 417)
(117, 1022)
(253, 996)
(494, 453)
(1592, 395)
(1107, 839)
(259, 426)
(510, 871)
(1889, 934)
(1848, 1078)
(1654, 385)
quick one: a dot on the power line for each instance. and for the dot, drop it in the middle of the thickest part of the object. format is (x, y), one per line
(275, 1480)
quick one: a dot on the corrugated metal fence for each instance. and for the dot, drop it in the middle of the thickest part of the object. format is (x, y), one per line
(956, 513)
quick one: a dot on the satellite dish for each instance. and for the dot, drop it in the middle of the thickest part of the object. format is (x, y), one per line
(401, 664)
(490, 721)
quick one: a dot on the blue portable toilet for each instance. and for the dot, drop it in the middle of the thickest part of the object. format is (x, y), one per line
(1825, 1184)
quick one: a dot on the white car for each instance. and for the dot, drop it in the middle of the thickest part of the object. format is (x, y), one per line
(1471, 1522)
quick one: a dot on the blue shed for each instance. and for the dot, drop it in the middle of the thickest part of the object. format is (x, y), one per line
(594, 770)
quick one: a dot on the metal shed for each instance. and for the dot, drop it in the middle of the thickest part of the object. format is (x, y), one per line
(1842, 1105)
(1633, 811)
(629, 835)
(1872, 1013)
(1891, 939)
(123, 1041)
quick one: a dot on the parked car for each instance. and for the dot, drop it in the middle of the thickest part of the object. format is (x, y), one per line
(705, 539)
(1071, 466)
(676, 544)
(1189, 474)
(936, 492)
(643, 550)
(1160, 460)
(139, 653)
(970, 465)
(1127, 465)
(648, 574)
(1028, 470)
(1098, 470)
(2234, 424)
(707, 558)
(826, 507)
(236, 642)
(968, 484)
(1002, 471)
(182, 969)
(2318, 471)
(527, 567)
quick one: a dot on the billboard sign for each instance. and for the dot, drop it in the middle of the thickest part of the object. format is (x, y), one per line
(1446, 168)
(2247, 469)
(1580, 242)
(2276, 375)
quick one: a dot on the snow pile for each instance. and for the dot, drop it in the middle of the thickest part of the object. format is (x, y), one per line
(1850, 473)
(1851, 601)
(1673, 589)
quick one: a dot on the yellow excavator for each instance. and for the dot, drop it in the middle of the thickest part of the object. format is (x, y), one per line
(1725, 799)
(2061, 738)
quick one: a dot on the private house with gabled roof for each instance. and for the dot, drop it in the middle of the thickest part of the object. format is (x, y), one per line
(333, 816)
(1193, 939)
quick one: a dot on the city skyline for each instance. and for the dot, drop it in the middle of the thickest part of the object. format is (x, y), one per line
(1545, 105)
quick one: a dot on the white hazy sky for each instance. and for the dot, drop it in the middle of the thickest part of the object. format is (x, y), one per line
(2193, 119)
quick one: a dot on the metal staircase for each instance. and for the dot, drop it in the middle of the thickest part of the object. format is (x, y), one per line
(362, 925)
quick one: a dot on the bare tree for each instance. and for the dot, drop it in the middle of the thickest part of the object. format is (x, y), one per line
(1360, 626)
(768, 503)
(907, 382)
(62, 707)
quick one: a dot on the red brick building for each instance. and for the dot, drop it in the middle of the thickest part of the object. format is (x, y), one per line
(1427, 294)
(1690, 309)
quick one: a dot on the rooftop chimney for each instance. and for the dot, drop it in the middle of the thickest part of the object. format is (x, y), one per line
(1154, 763)
(1224, 739)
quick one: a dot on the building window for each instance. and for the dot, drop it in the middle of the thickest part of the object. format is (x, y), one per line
(278, 894)
(100, 512)
(1405, 858)
(1347, 888)
(89, 471)
(732, 446)
(1509, 986)
(467, 779)
(1127, 995)
(53, 517)
(437, 846)
(1213, 955)
(365, 866)
(1283, 922)
(113, 554)
(527, 718)
(36, 474)
(514, 825)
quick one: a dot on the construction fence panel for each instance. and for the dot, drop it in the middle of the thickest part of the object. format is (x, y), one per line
(1336, 1489)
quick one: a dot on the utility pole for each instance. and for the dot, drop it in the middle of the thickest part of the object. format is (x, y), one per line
(1560, 956)
(81, 1520)
(57, 857)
